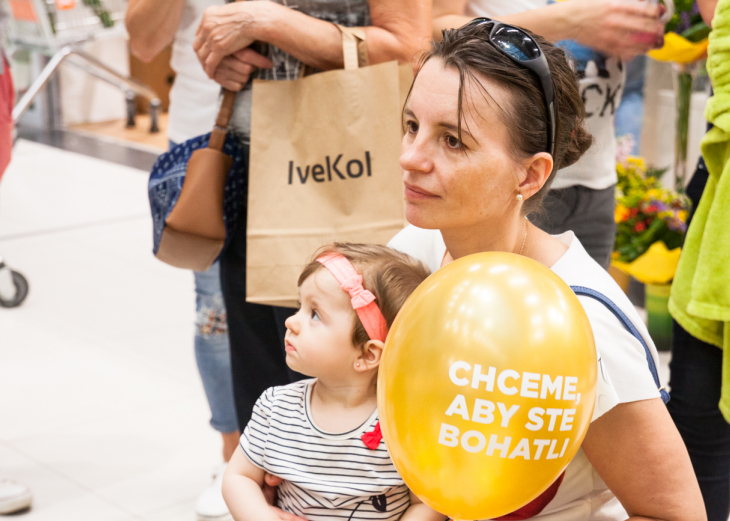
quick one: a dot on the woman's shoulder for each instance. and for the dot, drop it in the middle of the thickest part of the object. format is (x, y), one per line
(425, 245)
(623, 359)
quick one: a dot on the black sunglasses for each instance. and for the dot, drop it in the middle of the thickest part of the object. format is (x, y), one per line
(521, 48)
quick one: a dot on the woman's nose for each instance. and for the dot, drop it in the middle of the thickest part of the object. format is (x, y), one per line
(415, 155)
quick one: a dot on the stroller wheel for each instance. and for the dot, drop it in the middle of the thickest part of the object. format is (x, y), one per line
(21, 291)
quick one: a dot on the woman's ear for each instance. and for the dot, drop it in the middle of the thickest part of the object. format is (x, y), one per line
(370, 356)
(537, 172)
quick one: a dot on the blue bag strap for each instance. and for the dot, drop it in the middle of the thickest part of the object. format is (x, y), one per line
(603, 299)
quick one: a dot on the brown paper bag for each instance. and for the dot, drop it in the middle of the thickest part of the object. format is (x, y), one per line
(323, 168)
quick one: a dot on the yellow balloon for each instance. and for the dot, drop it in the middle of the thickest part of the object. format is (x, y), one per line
(487, 385)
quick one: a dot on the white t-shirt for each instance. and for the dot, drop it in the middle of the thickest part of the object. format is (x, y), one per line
(327, 477)
(602, 80)
(496, 8)
(623, 373)
(194, 98)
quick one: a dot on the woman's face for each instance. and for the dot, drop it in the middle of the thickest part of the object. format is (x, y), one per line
(448, 183)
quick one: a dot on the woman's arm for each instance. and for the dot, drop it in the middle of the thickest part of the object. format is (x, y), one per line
(399, 29)
(152, 25)
(242, 484)
(637, 451)
(419, 511)
(612, 27)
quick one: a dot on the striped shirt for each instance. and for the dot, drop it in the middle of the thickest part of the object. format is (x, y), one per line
(327, 477)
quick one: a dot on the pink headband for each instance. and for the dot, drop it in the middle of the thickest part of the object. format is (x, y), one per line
(363, 301)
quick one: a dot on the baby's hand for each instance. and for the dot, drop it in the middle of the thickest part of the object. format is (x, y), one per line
(270, 487)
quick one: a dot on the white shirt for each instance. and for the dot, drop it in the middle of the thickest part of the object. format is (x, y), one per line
(327, 476)
(601, 84)
(194, 98)
(623, 372)
(496, 8)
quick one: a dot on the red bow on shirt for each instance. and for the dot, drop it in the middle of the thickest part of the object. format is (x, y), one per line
(372, 439)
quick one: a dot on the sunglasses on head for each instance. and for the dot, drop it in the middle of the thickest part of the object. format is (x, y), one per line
(522, 48)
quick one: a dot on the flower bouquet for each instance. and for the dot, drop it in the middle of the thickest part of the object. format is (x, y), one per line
(685, 44)
(651, 222)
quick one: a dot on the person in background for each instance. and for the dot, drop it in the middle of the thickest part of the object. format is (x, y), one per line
(271, 41)
(600, 35)
(194, 101)
(696, 371)
(14, 496)
(630, 113)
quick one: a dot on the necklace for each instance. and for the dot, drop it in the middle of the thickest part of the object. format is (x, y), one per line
(524, 238)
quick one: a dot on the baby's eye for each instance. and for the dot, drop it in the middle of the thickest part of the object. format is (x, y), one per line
(412, 127)
(315, 315)
(453, 142)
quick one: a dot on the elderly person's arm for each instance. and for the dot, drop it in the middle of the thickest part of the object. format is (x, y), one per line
(638, 453)
(707, 10)
(152, 25)
(613, 27)
(399, 29)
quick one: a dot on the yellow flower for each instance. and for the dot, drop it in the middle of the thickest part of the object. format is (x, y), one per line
(682, 215)
(654, 193)
(621, 214)
(636, 161)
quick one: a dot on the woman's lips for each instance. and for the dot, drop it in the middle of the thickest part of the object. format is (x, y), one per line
(418, 194)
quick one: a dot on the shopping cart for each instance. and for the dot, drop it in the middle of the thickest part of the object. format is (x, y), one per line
(58, 29)
(13, 286)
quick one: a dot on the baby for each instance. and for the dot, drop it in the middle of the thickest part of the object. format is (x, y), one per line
(322, 435)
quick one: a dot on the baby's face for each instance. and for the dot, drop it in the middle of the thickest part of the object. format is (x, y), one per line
(319, 335)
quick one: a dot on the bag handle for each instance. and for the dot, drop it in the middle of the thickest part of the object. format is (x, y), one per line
(630, 327)
(354, 52)
(354, 48)
(220, 129)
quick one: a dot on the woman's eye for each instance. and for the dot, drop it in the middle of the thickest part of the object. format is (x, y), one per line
(315, 315)
(453, 142)
(412, 127)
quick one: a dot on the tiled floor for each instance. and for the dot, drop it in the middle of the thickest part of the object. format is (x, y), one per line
(101, 409)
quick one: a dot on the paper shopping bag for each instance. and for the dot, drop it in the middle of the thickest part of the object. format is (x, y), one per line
(323, 168)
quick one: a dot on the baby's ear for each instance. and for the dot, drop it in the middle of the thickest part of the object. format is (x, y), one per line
(370, 355)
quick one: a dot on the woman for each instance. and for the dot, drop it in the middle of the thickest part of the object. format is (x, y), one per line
(477, 158)
(271, 40)
(194, 103)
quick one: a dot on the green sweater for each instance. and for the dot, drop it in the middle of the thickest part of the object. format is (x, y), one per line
(700, 297)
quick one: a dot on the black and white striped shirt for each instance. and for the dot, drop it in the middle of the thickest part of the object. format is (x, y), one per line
(327, 477)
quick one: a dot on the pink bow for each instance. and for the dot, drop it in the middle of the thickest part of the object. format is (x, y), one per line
(360, 297)
(363, 301)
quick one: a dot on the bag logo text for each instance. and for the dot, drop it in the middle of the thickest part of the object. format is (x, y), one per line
(354, 168)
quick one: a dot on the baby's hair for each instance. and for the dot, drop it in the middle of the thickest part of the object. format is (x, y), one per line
(389, 274)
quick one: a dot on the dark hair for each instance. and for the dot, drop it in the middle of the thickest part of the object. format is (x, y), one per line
(469, 51)
(389, 274)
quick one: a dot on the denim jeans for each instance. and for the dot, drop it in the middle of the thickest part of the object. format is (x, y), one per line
(212, 348)
(696, 379)
(630, 113)
(696, 383)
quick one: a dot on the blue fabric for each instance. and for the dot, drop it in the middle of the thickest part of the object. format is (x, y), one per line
(212, 344)
(603, 299)
(212, 349)
(168, 174)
